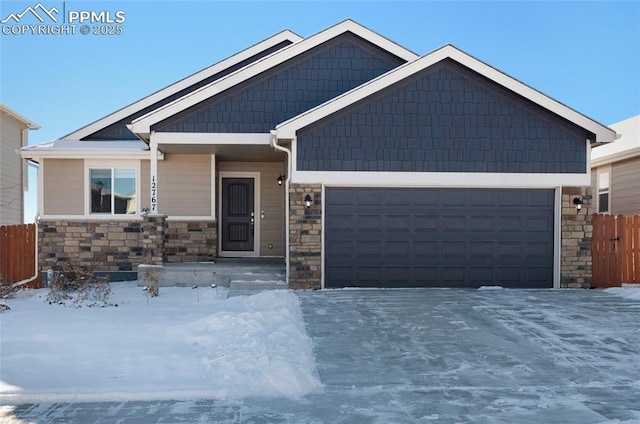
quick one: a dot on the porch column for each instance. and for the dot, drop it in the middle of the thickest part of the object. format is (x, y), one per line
(153, 178)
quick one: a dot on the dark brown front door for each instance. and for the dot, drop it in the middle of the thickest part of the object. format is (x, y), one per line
(237, 214)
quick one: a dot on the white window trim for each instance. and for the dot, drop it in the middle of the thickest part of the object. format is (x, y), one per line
(107, 164)
(601, 170)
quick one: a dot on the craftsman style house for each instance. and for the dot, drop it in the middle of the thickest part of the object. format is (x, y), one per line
(355, 160)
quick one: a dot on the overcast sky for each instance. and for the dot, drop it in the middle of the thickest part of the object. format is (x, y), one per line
(585, 54)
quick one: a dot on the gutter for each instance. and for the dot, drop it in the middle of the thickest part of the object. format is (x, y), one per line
(275, 145)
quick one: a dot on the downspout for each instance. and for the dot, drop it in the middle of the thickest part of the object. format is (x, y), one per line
(36, 261)
(275, 145)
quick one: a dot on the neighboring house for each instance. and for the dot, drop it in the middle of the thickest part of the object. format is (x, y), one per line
(615, 171)
(14, 134)
(354, 159)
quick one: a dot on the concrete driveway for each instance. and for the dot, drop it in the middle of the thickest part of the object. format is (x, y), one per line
(436, 355)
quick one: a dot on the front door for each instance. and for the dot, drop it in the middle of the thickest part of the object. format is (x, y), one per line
(238, 214)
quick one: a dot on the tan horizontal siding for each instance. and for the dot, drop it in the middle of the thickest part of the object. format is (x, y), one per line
(10, 171)
(625, 187)
(63, 187)
(271, 202)
(184, 185)
(145, 189)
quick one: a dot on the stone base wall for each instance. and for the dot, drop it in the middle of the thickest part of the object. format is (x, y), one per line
(576, 231)
(191, 241)
(123, 245)
(305, 237)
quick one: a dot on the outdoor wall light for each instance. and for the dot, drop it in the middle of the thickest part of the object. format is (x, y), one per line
(578, 202)
(281, 179)
(307, 201)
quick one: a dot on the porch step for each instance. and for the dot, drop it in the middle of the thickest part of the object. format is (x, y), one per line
(223, 273)
(244, 285)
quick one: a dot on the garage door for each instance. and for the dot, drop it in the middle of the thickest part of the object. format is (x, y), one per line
(414, 237)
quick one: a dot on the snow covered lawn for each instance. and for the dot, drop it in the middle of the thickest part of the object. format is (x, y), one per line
(184, 344)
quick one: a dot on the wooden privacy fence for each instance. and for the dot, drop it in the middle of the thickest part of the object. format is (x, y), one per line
(18, 253)
(615, 250)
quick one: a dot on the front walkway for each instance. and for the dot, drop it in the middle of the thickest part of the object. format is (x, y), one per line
(446, 356)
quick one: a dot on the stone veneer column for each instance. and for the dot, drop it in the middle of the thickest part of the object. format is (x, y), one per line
(153, 231)
(305, 237)
(576, 231)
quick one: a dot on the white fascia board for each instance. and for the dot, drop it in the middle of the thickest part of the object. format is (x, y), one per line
(440, 179)
(26, 121)
(616, 157)
(143, 124)
(84, 155)
(287, 129)
(285, 35)
(246, 139)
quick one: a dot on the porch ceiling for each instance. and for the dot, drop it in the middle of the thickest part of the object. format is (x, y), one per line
(236, 153)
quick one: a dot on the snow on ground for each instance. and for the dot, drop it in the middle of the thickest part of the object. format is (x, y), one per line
(186, 343)
(632, 293)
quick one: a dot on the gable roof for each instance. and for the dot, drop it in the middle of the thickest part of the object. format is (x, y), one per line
(142, 125)
(282, 36)
(28, 123)
(627, 146)
(287, 129)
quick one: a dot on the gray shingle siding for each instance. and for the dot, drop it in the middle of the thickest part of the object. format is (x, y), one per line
(446, 119)
(287, 90)
(119, 131)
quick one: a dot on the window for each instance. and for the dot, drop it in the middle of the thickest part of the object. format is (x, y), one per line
(113, 191)
(604, 178)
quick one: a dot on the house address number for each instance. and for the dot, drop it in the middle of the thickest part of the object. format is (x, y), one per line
(154, 199)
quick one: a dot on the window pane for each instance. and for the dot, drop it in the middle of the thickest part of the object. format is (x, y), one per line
(603, 203)
(100, 190)
(603, 181)
(125, 191)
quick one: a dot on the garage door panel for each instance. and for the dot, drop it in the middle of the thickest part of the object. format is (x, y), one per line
(482, 276)
(425, 248)
(536, 224)
(425, 223)
(386, 237)
(398, 248)
(396, 222)
(398, 197)
(428, 197)
(511, 198)
(343, 197)
(369, 249)
(506, 276)
(454, 276)
(481, 223)
(371, 197)
(425, 275)
(340, 249)
(453, 223)
(539, 198)
(482, 249)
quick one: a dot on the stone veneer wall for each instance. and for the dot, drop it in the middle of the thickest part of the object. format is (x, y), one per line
(305, 237)
(123, 245)
(576, 231)
(191, 241)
